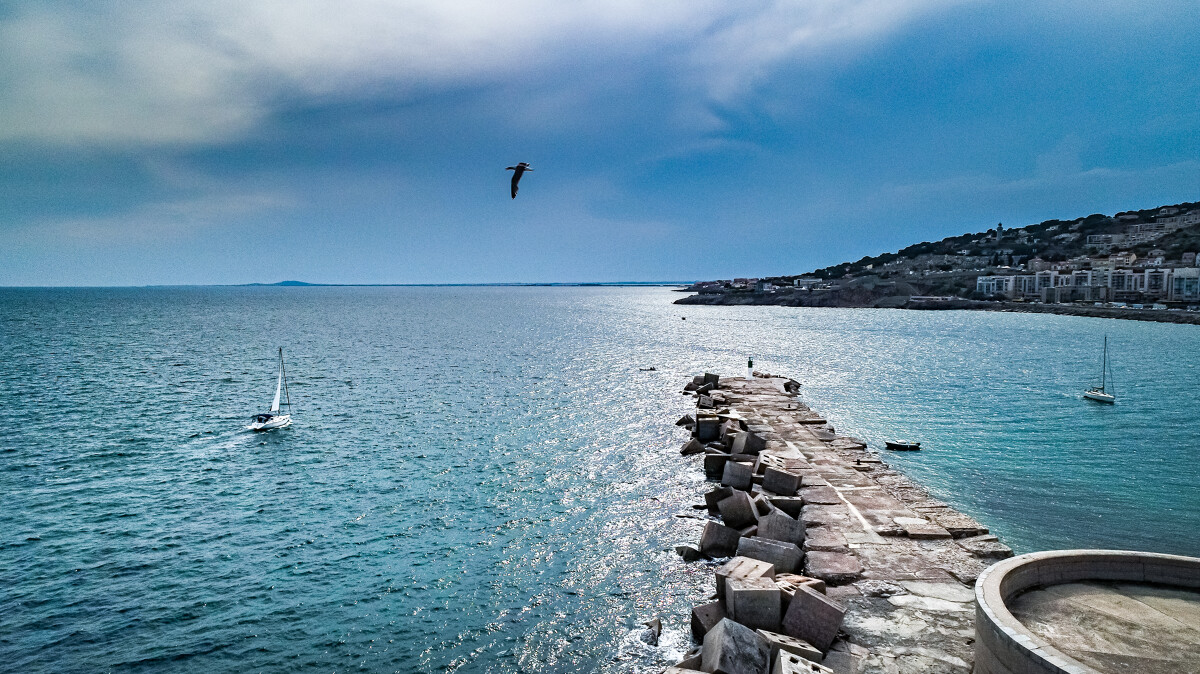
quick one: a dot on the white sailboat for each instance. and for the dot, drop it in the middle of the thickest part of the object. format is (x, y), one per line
(272, 419)
(1100, 393)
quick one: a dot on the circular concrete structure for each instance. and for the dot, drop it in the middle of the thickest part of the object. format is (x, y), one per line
(1088, 612)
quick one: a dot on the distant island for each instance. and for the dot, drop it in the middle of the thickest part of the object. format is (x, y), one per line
(1136, 264)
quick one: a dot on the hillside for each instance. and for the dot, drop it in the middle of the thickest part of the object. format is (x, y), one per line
(1131, 242)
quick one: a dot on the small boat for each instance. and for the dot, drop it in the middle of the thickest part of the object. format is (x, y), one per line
(902, 446)
(272, 419)
(1100, 393)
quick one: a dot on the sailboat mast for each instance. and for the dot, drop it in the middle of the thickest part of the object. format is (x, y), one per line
(283, 374)
(1104, 366)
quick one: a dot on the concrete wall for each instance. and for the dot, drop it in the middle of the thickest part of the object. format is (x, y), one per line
(1004, 646)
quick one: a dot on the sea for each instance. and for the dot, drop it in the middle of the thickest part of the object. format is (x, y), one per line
(488, 478)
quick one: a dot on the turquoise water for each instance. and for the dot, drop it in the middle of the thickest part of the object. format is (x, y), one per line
(480, 479)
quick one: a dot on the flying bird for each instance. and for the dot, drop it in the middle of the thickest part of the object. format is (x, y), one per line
(518, 171)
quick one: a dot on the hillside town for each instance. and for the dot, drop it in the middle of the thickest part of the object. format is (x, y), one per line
(1135, 259)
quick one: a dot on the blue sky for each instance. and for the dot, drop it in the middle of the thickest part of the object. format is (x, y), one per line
(364, 141)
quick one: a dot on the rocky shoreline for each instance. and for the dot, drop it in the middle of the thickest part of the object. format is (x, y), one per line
(900, 302)
(824, 558)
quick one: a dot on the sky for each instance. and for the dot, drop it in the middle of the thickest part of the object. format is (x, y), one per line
(365, 141)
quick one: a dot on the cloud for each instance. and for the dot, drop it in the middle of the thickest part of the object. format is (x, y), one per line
(161, 221)
(208, 71)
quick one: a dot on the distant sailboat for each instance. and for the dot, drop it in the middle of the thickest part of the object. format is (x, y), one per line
(272, 419)
(1100, 393)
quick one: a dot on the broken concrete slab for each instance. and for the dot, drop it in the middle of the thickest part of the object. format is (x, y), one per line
(778, 526)
(981, 546)
(959, 525)
(742, 568)
(705, 617)
(827, 515)
(813, 617)
(719, 540)
(692, 446)
(686, 420)
(786, 557)
(731, 648)
(820, 495)
(753, 602)
(688, 552)
(834, 568)
(825, 539)
(737, 510)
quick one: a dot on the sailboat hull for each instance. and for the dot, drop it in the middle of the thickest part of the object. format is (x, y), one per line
(272, 423)
(1100, 397)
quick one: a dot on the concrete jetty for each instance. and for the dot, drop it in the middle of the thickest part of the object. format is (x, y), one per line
(825, 559)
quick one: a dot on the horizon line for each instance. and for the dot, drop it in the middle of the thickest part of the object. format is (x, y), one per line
(305, 284)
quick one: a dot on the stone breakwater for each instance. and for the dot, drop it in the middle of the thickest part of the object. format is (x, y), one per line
(824, 558)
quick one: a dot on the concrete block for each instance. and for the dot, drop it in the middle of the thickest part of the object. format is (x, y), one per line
(737, 510)
(719, 540)
(708, 427)
(786, 557)
(705, 617)
(685, 420)
(698, 379)
(712, 498)
(731, 648)
(780, 482)
(705, 388)
(788, 504)
(762, 505)
(753, 602)
(738, 475)
(778, 526)
(782, 642)
(692, 446)
(710, 378)
(748, 442)
(676, 669)
(751, 530)
(705, 402)
(714, 463)
(742, 568)
(790, 663)
(687, 552)
(813, 617)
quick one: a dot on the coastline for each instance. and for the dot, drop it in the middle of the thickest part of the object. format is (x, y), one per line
(868, 572)
(894, 302)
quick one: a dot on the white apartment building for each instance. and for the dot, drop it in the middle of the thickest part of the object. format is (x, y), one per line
(1179, 284)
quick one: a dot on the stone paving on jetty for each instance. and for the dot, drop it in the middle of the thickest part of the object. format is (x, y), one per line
(825, 559)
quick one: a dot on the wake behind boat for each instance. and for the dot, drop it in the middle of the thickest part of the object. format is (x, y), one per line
(272, 419)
